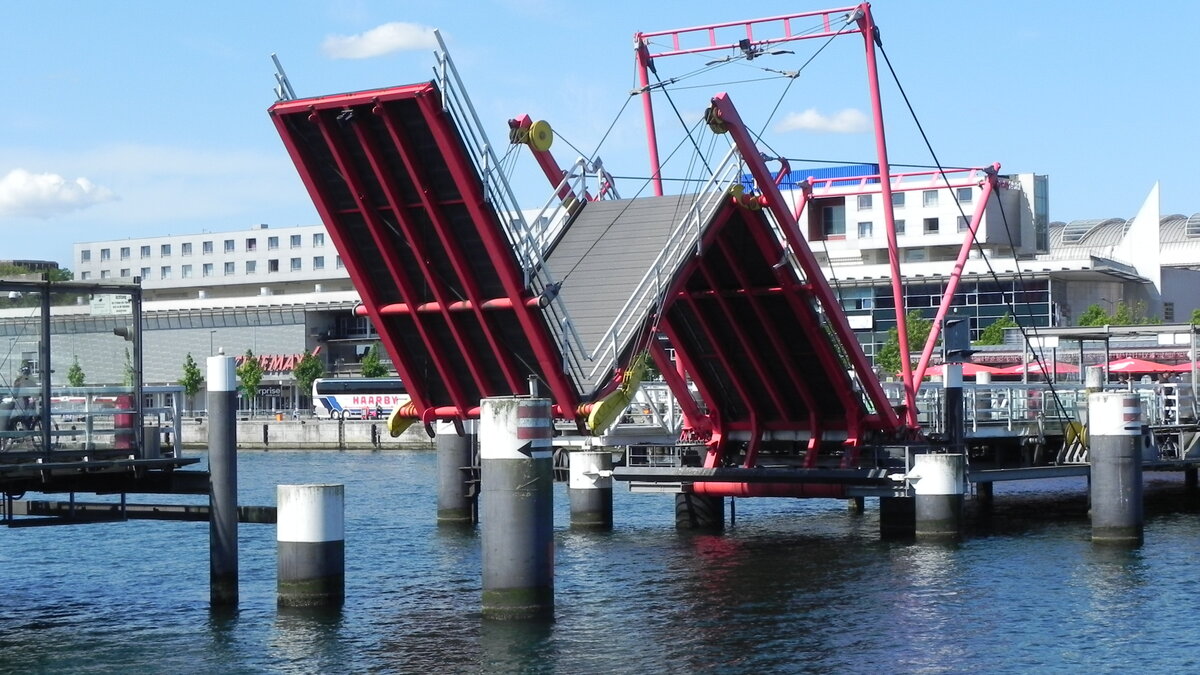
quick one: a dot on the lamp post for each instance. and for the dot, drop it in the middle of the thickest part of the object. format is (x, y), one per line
(210, 341)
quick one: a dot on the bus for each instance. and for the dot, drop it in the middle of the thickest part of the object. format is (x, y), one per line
(357, 398)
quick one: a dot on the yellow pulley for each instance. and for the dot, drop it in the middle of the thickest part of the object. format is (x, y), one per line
(541, 136)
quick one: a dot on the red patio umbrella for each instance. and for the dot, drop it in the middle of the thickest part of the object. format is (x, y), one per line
(1036, 368)
(969, 369)
(1182, 367)
(1132, 365)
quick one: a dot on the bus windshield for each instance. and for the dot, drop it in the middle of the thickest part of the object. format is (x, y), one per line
(358, 398)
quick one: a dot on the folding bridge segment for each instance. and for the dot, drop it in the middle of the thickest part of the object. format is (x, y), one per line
(433, 261)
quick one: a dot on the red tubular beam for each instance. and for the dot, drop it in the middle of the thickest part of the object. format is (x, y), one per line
(643, 68)
(434, 307)
(817, 490)
(692, 417)
(867, 26)
(989, 187)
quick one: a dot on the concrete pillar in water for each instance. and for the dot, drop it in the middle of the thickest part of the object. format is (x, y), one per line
(1191, 479)
(938, 483)
(311, 545)
(1115, 430)
(699, 512)
(984, 496)
(222, 485)
(590, 488)
(856, 505)
(897, 517)
(516, 508)
(454, 504)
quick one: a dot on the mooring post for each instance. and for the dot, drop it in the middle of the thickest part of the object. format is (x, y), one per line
(517, 500)
(311, 545)
(938, 481)
(1115, 428)
(222, 485)
(590, 488)
(454, 503)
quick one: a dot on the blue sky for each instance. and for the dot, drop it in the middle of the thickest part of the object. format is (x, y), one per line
(138, 118)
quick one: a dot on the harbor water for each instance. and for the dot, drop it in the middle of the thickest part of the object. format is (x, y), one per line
(792, 586)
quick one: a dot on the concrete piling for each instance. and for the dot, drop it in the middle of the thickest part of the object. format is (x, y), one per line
(938, 481)
(699, 512)
(222, 469)
(897, 517)
(590, 489)
(311, 545)
(516, 508)
(1115, 428)
(454, 502)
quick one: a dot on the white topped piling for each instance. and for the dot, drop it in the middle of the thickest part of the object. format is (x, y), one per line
(311, 545)
(1115, 454)
(516, 508)
(222, 490)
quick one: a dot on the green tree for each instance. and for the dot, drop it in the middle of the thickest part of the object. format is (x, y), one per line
(250, 374)
(191, 380)
(918, 328)
(1195, 316)
(1094, 315)
(994, 333)
(75, 375)
(372, 366)
(128, 376)
(308, 369)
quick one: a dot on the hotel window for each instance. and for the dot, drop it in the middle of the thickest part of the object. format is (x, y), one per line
(251, 244)
(229, 246)
(864, 202)
(104, 274)
(251, 266)
(864, 230)
(295, 241)
(145, 273)
(186, 248)
(897, 199)
(105, 254)
(206, 270)
(164, 251)
(339, 263)
(124, 253)
(206, 248)
(229, 269)
(1168, 312)
(124, 272)
(272, 243)
(931, 226)
(833, 221)
(272, 266)
(186, 272)
(318, 239)
(85, 276)
(965, 195)
(164, 272)
(963, 223)
(295, 264)
(929, 197)
(318, 262)
(85, 255)
(900, 227)
(145, 251)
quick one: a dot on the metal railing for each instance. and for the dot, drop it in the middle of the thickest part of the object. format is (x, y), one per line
(90, 418)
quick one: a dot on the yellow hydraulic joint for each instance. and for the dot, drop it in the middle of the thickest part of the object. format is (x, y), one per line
(537, 135)
(608, 410)
(401, 419)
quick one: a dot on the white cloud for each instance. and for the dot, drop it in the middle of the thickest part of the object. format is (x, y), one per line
(43, 195)
(848, 121)
(385, 39)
